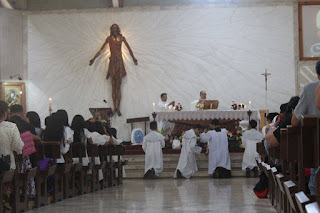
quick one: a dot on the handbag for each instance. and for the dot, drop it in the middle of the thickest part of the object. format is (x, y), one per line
(5, 163)
(28, 147)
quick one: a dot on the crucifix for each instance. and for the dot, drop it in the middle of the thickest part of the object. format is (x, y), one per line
(266, 74)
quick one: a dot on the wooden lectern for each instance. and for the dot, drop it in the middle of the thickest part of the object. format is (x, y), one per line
(100, 114)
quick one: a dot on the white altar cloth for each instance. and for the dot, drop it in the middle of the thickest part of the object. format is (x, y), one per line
(207, 115)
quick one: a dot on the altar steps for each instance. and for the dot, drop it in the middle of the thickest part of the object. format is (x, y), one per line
(135, 167)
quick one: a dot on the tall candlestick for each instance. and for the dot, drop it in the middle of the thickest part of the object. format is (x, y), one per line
(50, 109)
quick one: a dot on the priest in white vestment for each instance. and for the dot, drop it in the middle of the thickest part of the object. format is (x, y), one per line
(203, 97)
(152, 146)
(249, 140)
(187, 165)
(217, 147)
(162, 106)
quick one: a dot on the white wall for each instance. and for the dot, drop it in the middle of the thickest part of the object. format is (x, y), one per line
(11, 43)
(181, 50)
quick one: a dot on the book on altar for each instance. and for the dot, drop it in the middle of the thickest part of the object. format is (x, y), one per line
(210, 104)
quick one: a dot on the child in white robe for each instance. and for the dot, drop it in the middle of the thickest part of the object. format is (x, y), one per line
(152, 146)
(249, 140)
(187, 165)
(219, 157)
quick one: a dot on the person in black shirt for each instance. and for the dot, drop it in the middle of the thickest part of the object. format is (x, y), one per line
(273, 137)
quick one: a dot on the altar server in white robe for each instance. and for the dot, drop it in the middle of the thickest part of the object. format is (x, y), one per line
(217, 147)
(187, 165)
(152, 146)
(163, 105)
(249, 140)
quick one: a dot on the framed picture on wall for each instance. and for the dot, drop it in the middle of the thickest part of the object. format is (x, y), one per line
(309, 30)
(14, 93)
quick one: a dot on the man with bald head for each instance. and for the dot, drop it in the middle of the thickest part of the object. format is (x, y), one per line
(203, 97)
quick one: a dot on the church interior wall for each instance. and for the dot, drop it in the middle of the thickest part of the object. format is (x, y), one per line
(181, 50)
(11, 44)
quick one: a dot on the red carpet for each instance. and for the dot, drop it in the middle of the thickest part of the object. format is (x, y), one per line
(137, 150)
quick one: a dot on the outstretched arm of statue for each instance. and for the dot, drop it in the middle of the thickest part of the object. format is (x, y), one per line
(99, 52)
(130, 51)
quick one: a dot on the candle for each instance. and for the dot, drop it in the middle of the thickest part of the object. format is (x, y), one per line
(154, 107)
(50, 109)
(166, 106)
(170, 108)
(249, 105)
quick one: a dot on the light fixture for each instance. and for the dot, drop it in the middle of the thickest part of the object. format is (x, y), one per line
(17, 75)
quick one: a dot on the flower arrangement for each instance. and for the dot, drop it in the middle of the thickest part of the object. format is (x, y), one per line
(178, 107)
(235, 106)
(235, 139)
(161, 132)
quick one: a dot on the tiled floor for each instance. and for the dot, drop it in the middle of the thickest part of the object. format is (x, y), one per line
(169, 195)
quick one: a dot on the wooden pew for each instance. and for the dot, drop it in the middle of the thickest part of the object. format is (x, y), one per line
(313, 207)
(119, 150)
(69, 176)
(280, 178)
(42, 195)
(79, 151)
(302, 200)
(50, 149)
(291, 188)
(111, 166)
(103, 154)
(294, 156)
(93, 152)
(20, 184)
(5, 178)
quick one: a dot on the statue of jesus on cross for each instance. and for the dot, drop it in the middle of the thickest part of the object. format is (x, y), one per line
(116, 66)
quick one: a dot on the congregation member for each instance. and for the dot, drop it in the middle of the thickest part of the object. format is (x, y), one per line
(152, 146)
(34, 119)
(307, 106)
(187, 164)
(249, 140)
(28, 135)
(10, 142)
(56, 130)
(219, 157)
(17, 116)
(270, 123)
(81, 135)
(273, 136)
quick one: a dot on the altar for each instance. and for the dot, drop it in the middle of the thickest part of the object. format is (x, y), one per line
(229, 119)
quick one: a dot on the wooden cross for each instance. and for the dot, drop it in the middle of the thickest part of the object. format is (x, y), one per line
(266, 74)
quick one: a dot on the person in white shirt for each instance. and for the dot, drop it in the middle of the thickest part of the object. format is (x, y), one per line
(249, 140)
(10, 140)
(219, 157)
(164, 104)
(152, 146)
(203, 97)
(187, 164)
(166, 126)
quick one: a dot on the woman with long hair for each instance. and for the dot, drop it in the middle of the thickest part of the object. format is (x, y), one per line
(34, 119)
(81, 135)
(57, 131)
